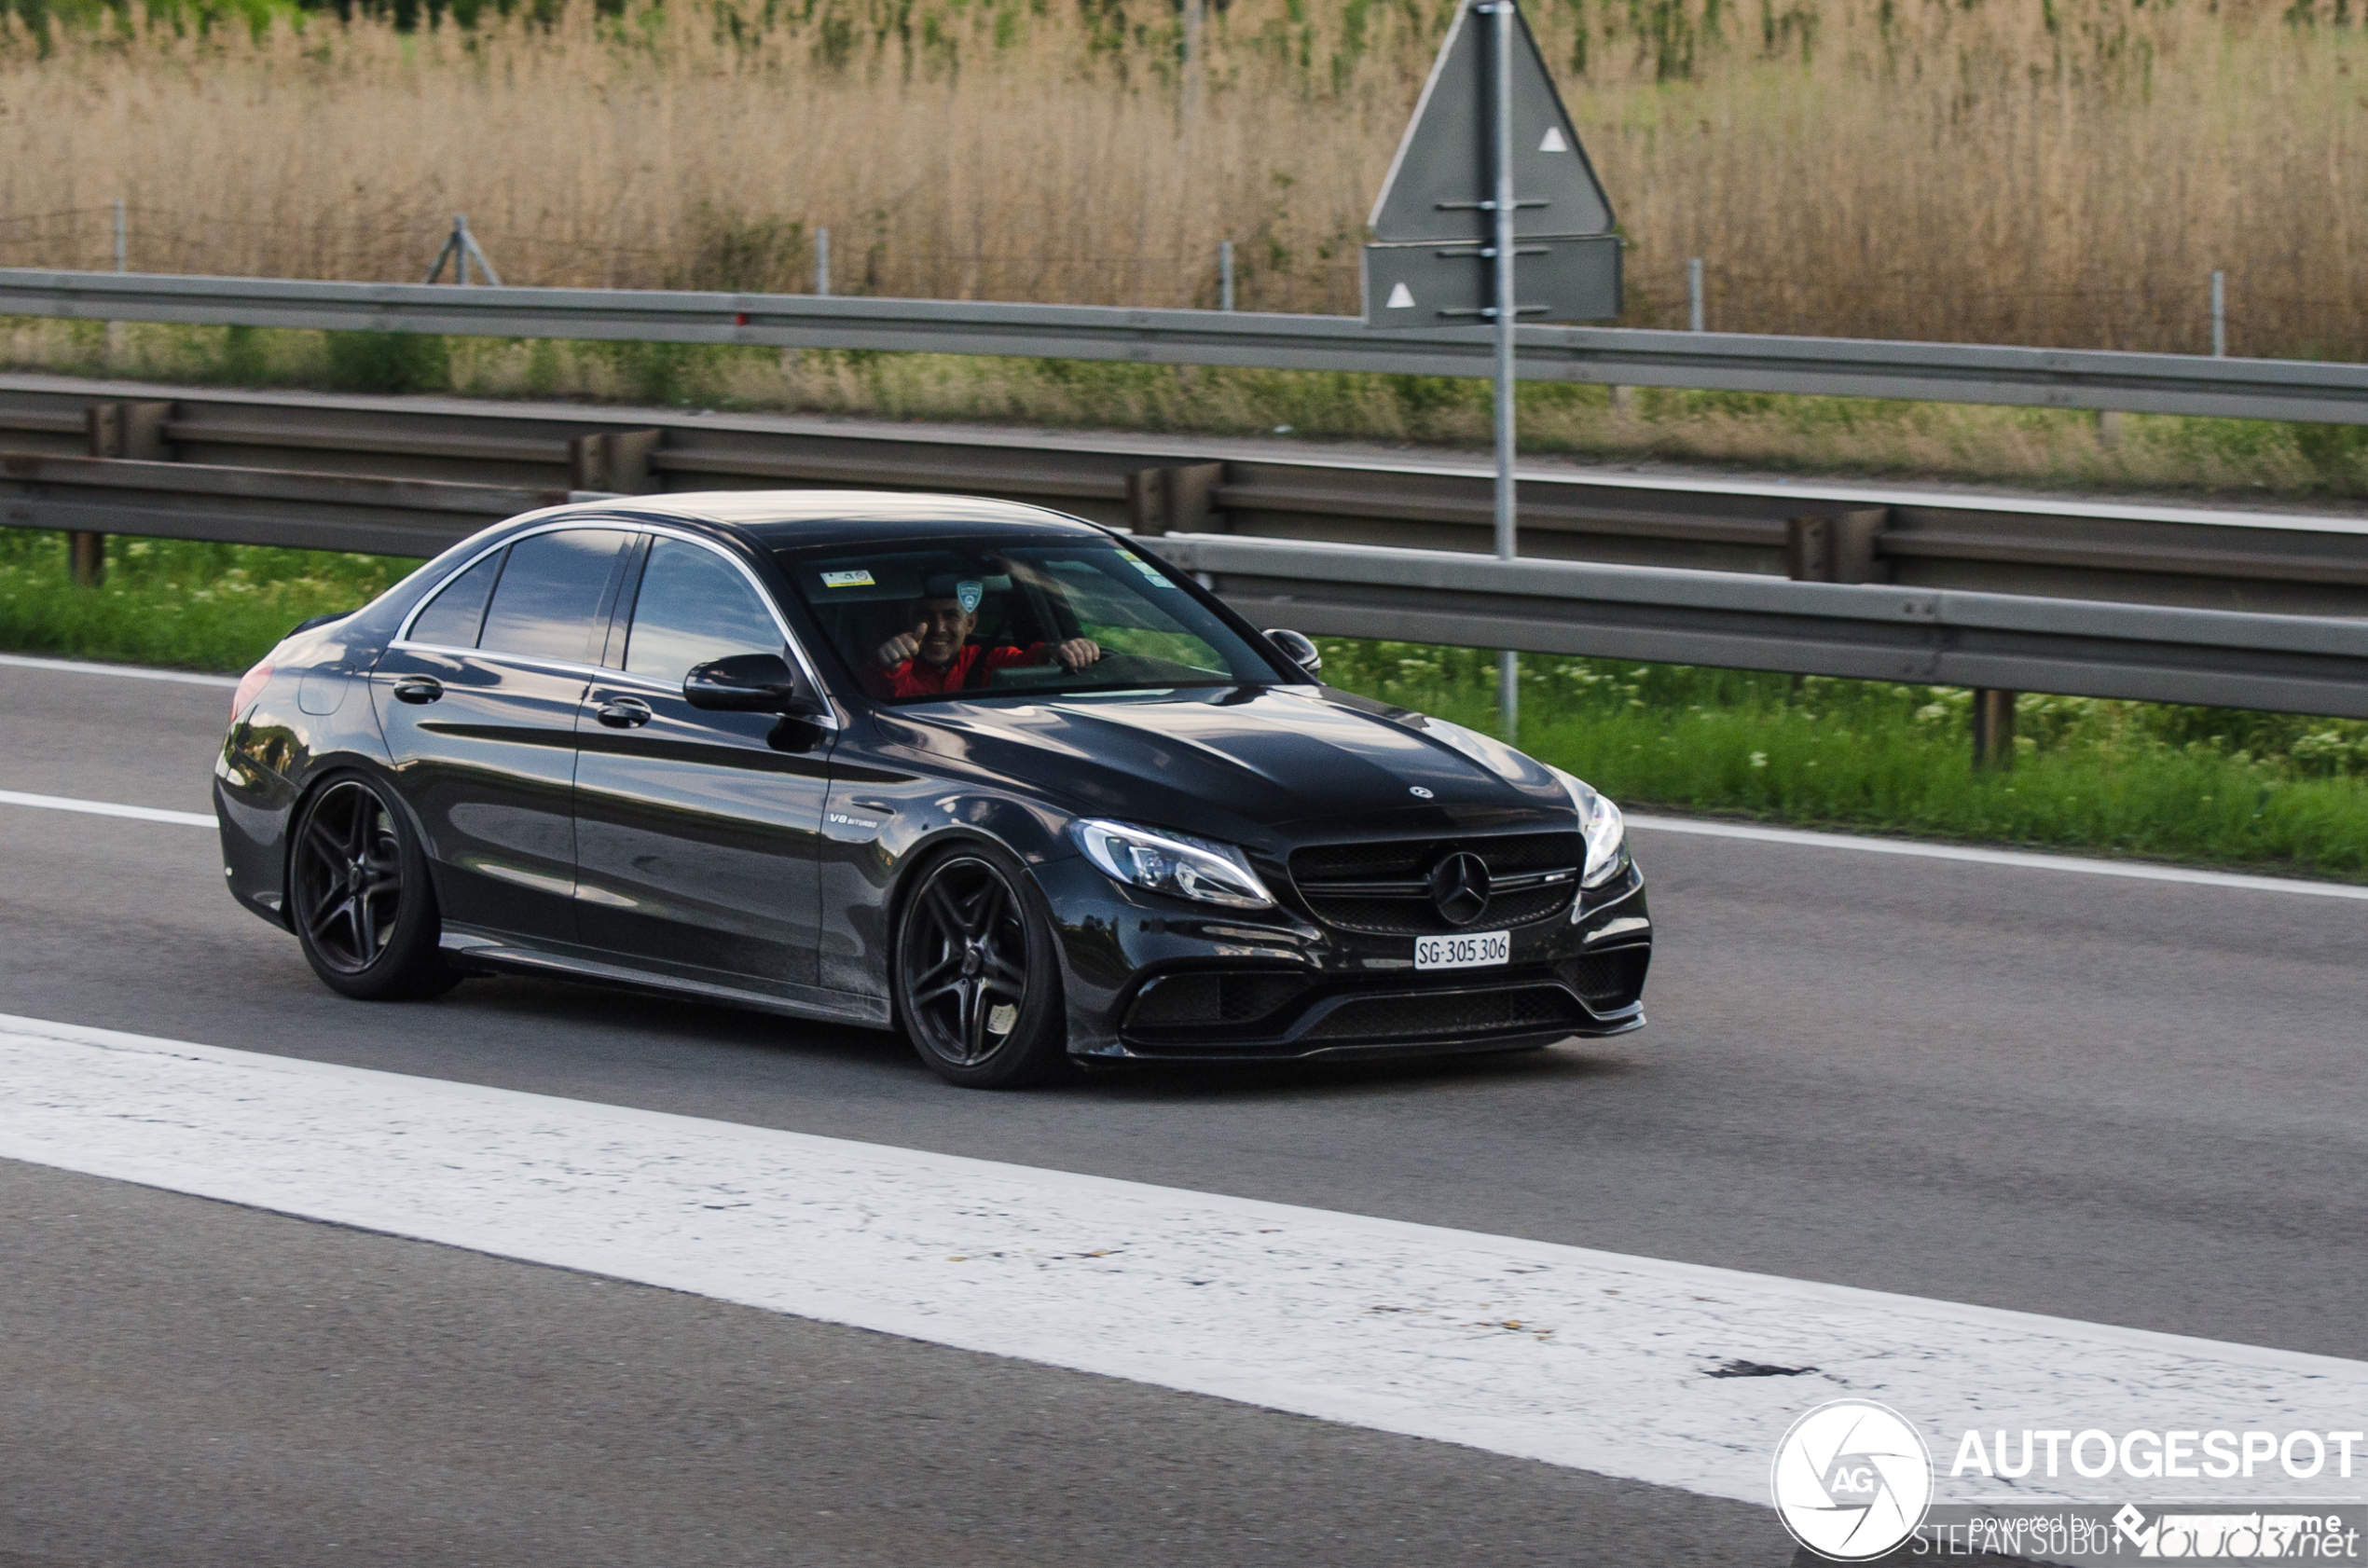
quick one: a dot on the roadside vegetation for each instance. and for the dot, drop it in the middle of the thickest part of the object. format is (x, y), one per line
(178, 603)
(2056, 171)
(1829, 436)
(2059, 172)
(2203, 785)
(2199, 784)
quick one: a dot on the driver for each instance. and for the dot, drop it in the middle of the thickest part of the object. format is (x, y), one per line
(934, 652)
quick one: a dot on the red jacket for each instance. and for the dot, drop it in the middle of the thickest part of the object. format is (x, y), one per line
(967, 671)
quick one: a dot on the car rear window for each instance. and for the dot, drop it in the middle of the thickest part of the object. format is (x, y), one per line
(453, 618)
(548, 600)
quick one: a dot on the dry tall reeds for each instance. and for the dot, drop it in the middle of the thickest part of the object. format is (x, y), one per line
(2035, 171)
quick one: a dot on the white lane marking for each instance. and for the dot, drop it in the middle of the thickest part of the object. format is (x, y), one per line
(1576, 1358)
(108, 808)
(135, 672)
(2026, 859)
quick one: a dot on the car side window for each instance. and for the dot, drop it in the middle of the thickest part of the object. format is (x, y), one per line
(548, 604)
(693, 606)
(453, 618)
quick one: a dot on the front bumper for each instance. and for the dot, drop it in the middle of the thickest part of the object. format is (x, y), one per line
(1156, 979)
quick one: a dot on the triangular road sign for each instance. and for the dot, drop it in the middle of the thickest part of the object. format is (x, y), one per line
(1441, 171)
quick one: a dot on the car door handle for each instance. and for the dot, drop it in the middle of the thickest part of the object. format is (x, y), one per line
(417, 689)
(623, 713)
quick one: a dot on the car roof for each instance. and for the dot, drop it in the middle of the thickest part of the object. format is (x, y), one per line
(780, 519)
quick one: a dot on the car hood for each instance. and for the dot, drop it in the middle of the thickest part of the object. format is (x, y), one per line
(1272, 766)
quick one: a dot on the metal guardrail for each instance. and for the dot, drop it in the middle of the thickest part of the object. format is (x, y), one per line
(253, 505)
(1731, 362)
(428, 477)
(2147, 652)
(2229, 560)
(2286, 663)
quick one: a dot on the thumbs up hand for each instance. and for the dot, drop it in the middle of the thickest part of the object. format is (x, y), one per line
(900, 649)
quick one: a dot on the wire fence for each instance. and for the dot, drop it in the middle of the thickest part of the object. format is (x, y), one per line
(2267, 313)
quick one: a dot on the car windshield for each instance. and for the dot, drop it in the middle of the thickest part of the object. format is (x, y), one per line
(923, 625)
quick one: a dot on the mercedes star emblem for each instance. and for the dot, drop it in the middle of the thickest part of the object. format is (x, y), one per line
(1459, 887)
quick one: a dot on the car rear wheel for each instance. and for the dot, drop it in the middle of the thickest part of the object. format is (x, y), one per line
(978, 985)
(359, 895)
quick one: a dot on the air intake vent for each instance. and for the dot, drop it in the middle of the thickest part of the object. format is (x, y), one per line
(1609, 981)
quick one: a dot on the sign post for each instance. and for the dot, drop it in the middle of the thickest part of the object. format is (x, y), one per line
(1508, 662)
(1451, 223)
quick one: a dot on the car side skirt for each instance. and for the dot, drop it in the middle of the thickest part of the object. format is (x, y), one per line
(470, 950)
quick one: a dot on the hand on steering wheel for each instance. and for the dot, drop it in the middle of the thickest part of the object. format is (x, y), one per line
(1076, 653)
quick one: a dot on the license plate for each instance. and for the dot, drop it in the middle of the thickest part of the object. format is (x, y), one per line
(1479, 950)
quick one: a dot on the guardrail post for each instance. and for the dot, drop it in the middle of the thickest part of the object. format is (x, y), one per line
(613, 462)
(1177, 499)
(1993, 730)
(1844, 548)
(1809, 549)
(115, 430)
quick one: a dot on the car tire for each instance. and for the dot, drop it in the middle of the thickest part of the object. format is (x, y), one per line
(975, 950)
(359, 895)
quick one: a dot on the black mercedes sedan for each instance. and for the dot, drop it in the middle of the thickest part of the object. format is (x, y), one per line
(987, 773)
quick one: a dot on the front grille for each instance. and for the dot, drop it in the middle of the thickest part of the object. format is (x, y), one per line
(1609, 981)
(1449, 1016)
(1378, 888)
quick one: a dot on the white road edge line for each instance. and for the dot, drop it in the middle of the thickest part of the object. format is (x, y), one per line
(131, 672)
(2021, 858)
(108, 808)
(1565, 1354)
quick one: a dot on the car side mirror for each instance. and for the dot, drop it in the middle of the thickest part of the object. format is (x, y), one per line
(1297, 647)
(749, 684)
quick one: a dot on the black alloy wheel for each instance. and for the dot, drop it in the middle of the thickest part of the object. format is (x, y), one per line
(359, 896)
(978, 986)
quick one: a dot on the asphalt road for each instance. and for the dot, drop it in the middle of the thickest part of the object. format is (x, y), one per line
(2127, 1102)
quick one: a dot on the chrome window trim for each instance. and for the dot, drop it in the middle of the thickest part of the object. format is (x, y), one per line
(828, 717)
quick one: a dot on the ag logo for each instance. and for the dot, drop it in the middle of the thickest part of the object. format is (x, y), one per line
(1852, 1480)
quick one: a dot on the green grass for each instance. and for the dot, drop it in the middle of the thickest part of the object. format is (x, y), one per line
(2194, 784)
(173, 603)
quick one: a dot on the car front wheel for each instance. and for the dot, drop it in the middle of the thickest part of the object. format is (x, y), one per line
(978, 984)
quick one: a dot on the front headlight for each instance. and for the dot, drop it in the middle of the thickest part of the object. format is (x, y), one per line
(1606, 831)
(1176, 865)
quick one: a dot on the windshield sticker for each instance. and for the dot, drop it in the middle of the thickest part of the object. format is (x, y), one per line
(858, 579)
(967, 594)
(1152, 574)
